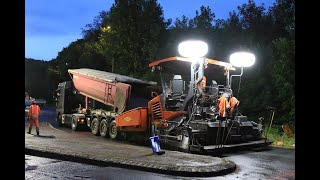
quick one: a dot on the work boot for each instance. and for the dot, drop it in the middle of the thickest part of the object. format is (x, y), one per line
(37, 129)
(29, 132)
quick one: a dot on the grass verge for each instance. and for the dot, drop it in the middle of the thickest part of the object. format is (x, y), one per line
(279, 138)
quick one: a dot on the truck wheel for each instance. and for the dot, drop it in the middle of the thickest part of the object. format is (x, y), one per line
(104, 131)
(59, 120)
(113, 131)
(74, 123)
(95, 127)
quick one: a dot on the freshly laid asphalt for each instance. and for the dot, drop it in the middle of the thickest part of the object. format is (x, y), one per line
(55, 143)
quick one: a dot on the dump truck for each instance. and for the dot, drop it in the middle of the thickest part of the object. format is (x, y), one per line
(194, 111)
(103, 101)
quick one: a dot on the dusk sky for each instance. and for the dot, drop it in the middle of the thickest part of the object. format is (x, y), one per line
(52, 25)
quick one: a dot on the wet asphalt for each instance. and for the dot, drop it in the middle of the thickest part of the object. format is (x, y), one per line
(277, 164)
(268, 163)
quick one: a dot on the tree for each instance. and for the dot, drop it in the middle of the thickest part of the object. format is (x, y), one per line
(132, 33)
(36, 78)
(91, 32)
(199, 27)
(204, 19)
(283, 74)
(283, 16)
(133, 39)
(283, 69)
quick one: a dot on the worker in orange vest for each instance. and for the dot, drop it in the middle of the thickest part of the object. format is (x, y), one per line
(234, 103)
(223, 105)
(34, 113)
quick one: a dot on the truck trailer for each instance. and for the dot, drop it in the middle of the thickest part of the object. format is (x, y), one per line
(192, 112)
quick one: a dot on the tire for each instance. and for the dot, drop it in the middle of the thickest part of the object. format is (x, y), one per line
(113, 131)
(104, 129)
(95, 127)
(59, 120)
(74, 123)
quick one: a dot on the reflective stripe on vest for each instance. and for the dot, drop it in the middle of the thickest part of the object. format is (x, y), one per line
(37, 110)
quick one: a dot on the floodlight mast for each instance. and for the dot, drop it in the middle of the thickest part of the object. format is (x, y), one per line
(235, 75)
(241, 59)
(228, 78)
(195, 50)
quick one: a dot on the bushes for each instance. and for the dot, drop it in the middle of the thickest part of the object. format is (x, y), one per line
(276, 134)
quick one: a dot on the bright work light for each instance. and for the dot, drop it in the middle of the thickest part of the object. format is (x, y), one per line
(242, 59)
(193, 48)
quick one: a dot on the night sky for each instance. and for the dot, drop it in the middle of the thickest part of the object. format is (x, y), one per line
(52, 25)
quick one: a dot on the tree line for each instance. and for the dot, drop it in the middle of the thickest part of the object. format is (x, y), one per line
(131, 34)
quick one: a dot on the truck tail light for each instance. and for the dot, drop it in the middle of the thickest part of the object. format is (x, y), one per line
(165, 124)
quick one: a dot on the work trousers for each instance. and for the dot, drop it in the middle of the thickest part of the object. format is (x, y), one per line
(33, 121)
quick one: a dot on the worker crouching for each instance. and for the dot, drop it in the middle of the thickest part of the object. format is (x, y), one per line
(34, 113)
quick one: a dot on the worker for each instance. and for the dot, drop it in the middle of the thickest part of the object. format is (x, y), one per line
(203, 83)
(34, 113)
(234, 103)
(223, 105)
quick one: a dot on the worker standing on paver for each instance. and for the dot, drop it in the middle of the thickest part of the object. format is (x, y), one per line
(34, 113)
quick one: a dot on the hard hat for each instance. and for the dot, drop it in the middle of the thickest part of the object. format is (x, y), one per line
(33, 101)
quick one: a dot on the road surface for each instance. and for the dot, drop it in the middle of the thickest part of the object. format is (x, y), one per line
(277, 164)
(271, 163)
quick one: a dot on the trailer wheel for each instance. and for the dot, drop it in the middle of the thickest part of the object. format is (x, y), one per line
(74, 123)
(104, 131)
(113, 131)
(95, 127)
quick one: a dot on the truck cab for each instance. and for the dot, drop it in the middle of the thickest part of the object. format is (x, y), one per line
(68, 102)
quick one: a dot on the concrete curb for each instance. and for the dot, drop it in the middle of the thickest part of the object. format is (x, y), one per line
(50, 125)
(279, 147)
(216, 167)
(221, 169)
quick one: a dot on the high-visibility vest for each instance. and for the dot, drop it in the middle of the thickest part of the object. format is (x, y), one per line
(223, 105)
(234, 102)
(34, 111)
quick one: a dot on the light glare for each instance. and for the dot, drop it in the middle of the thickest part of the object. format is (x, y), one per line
(242, 59)
(193, 48)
